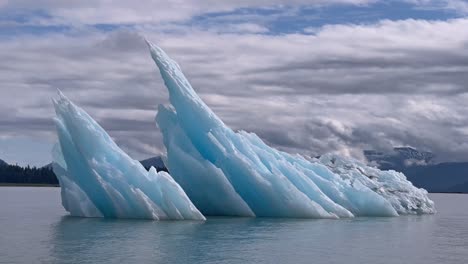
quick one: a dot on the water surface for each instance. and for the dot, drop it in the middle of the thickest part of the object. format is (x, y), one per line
(34, 228)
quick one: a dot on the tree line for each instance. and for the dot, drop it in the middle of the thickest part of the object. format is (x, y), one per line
(27, 175)
(14, 174)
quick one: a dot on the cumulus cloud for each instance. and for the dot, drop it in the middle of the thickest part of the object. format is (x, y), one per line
(338, 88)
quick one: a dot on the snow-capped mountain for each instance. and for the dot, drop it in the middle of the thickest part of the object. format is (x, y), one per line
(399, 157)
(420, 168)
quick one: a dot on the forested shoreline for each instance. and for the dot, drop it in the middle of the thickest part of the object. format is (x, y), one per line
(14, 174)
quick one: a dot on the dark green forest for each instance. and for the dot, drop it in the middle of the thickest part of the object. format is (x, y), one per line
(14, 174)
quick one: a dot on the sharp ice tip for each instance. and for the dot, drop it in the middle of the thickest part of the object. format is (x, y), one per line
(60, 94)
(147, 42)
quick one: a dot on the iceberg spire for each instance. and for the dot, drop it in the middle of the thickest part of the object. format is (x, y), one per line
(236, 173)
(98, 179)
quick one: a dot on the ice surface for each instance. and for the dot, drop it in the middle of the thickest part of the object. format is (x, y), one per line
(98, 179)
(236, 173)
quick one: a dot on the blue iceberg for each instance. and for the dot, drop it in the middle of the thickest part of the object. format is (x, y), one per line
(237, 174)
(98, 179)
(214, 170)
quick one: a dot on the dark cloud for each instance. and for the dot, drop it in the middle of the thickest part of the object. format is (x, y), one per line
(343, 89)
(20, 125)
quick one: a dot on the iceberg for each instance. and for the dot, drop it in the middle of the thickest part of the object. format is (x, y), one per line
(98, 179)
(236, 174)
(214, 170)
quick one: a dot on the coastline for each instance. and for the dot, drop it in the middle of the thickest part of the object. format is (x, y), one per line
(28, 185)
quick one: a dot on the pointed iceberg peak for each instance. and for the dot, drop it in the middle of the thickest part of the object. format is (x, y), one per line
(61, 95)
(61, 98)
(248, 178)
(98, 179)
(181, 94)
(154, 49)
(162, 59)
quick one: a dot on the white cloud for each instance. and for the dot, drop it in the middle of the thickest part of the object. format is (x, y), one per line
(244, 28)
(344, 88)
(458, 5)
(89, 12)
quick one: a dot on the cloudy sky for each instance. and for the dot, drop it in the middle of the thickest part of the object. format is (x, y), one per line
(307, 76)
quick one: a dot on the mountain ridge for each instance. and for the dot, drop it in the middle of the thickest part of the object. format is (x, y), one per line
(419, 167)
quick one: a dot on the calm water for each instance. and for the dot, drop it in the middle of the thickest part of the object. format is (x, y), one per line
(35, 229)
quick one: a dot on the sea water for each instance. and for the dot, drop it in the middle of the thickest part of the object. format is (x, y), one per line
(34, 228)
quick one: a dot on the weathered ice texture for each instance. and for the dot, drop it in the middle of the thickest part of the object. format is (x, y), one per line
(236, 173)
(98, 179)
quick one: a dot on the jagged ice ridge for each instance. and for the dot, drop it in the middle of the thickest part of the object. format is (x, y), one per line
(222, 172)
(98, 179)
(237, 174)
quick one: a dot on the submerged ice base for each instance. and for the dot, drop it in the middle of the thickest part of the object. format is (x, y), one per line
(98, 179)
(237, 174)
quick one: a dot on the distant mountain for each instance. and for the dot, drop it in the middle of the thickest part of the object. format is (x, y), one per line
(459, 188)
(420, 169)
(48, 166)
(156, 162)
(399, 157)
(3, 163)
(442, 177)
